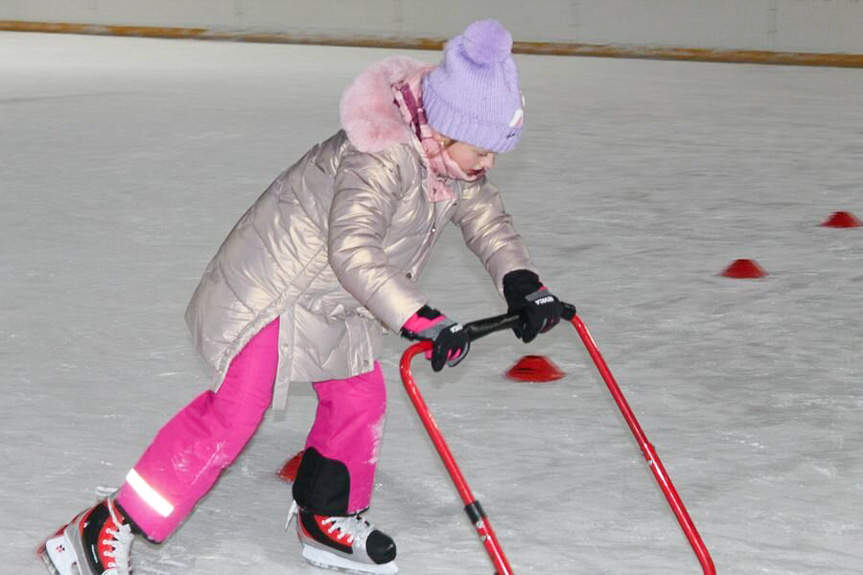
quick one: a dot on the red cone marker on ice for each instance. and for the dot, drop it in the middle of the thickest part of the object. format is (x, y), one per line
(288, 472)
(744, 269)
(841, 220)
(535, 368)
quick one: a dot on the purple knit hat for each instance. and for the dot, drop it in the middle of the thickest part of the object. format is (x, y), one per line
(473, 95)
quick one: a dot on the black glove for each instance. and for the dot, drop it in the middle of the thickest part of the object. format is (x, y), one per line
(537, 307)
(449, 337)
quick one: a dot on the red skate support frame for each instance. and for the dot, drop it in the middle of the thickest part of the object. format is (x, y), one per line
(650, 455)
(473, 509)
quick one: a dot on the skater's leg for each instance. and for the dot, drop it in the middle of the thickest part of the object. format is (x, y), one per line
(193, 448)
(336, 475)
(337, 472)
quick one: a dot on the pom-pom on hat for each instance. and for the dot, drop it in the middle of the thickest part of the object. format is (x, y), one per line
(473, 95)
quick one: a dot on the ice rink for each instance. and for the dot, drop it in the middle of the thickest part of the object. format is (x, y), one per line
(125, 162)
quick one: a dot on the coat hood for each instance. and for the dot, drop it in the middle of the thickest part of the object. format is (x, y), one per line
(368, 114)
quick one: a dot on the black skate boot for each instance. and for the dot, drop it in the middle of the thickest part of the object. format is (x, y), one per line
(96, 542)
(348, 543)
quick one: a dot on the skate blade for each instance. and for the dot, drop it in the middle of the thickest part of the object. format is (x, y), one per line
(327, 560)
(58, 555)
(42, 554)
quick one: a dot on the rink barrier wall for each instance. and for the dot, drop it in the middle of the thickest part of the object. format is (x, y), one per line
(842, 60)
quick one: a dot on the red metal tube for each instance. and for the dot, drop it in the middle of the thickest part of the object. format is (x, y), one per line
(483, 528)
(650, 455)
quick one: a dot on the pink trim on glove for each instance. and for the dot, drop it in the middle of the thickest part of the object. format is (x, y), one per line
(417, 323)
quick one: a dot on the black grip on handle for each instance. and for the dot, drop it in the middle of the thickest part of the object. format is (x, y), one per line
(568, 311)
(483, 327)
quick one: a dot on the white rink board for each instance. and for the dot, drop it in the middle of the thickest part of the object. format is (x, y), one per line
(816, 26)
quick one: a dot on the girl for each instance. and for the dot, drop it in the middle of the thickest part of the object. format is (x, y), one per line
(305, 284)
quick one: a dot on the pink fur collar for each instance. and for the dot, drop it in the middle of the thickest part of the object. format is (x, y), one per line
(369, 116)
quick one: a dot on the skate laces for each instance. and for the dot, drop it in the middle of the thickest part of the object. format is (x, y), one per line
(291, 512)
(350, 527)
(105, 491)
(354, 527)
(120, 544)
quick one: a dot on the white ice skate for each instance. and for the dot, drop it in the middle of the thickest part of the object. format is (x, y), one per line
(96, 542)
(350, 544)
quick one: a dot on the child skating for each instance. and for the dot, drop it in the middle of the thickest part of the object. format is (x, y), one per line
(303, 288)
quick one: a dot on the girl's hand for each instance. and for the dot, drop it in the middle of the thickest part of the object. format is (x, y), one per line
(539, 309)
(449, 337)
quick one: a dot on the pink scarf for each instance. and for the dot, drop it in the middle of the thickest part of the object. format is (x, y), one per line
(440, 167)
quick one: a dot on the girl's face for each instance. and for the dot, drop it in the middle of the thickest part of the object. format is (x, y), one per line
(473, 161)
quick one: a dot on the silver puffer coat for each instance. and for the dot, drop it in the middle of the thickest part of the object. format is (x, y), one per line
(334, 246)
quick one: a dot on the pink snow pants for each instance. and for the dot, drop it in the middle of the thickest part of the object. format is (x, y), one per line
(189, 453)
(348, 428)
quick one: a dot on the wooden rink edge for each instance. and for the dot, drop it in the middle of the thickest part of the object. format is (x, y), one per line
(838, 60)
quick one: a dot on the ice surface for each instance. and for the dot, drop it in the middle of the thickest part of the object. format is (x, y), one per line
(124, 162)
